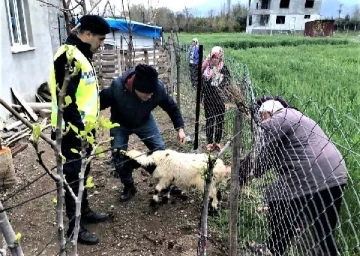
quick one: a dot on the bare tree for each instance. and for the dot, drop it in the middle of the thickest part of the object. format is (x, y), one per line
(356, 13)
(187, 14)
(211, 14)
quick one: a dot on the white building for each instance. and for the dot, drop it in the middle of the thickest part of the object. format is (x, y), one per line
(281, 16)
(29, 35)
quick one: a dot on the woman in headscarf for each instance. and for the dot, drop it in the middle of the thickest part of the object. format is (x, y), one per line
(310, 183)
(194, 61)
(215, 78)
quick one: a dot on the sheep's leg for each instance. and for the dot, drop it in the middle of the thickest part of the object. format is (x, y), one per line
(163, 184)
(176, 191)
(213, 208)
(166, 195)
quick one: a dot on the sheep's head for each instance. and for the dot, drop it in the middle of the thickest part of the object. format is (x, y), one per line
(139, 159)
(133, 154)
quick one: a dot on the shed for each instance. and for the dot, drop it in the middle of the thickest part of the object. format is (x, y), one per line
(143, 35)
(319, 28)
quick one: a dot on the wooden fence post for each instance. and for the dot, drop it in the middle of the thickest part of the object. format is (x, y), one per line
(146, 56)
(173, 64)
(198, 96)
(100, 73)
(154, 43)
(178, 72)
(234, 186)
(118, 55)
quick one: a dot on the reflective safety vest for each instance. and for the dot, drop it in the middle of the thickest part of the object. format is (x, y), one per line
(87, 93)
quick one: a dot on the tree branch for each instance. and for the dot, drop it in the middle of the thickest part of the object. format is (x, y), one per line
(70, 190)
(66, 9)
(41, 162)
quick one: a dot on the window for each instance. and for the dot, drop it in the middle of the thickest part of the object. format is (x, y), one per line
(18, 25)
(264, 20)
(309, 3)
(265, 4)
(307, 17)
(280, 19)
(250, 20)
(284, 4)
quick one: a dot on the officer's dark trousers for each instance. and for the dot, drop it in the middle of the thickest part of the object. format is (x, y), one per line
(71, 171)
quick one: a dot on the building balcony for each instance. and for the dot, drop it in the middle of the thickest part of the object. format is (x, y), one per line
(261, 11)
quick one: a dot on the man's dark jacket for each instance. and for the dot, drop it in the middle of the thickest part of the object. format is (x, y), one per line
(128, 110)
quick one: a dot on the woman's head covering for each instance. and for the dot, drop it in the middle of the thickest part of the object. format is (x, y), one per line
(207, 66)
(218, 52)
(265, 98)
(270, 106)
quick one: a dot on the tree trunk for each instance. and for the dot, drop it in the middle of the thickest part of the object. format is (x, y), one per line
(59, 165)
(78, 199)
(9, 234)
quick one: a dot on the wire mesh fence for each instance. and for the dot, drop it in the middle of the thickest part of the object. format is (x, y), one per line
(299, 172)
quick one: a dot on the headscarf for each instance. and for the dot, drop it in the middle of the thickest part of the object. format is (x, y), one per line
(211, 72)
(265, 98)
(270, 106)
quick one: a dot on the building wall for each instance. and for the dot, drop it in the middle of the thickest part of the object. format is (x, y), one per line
(25, 70)
(294, 16)
(292, 22)
(53, 19)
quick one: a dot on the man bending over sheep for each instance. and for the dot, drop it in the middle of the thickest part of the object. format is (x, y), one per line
(131, 98)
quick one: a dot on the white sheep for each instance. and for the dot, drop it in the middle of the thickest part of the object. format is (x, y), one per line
(184, 170)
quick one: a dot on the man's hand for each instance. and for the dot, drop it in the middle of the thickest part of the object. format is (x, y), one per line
(182, 136)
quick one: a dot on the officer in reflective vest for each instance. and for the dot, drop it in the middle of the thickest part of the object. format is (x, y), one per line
(83, 90)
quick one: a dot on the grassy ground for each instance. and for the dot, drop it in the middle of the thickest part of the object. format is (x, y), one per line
(323, 81)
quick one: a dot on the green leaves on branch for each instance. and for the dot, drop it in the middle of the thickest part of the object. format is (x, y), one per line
(17, 238)
(90, 140)
(74, 150)
(36, 132)
(106, 123)
(89, 182)
(70, 58)
(77, 68)
(89, 126)
(67, 100)
(63, 159)
(74, 128)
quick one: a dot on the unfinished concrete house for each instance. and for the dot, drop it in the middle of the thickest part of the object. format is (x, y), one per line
(281, 16)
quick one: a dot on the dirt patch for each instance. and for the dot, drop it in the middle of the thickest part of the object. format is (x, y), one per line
(134, 229)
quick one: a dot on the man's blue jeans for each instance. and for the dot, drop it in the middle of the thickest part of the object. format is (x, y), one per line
(147, 132)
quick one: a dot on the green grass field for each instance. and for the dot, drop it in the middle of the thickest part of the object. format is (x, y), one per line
(321, 78)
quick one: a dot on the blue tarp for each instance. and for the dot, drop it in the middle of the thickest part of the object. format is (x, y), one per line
(138, 28)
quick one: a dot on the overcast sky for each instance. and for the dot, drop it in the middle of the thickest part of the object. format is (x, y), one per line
(201, 7)
(178, 5)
